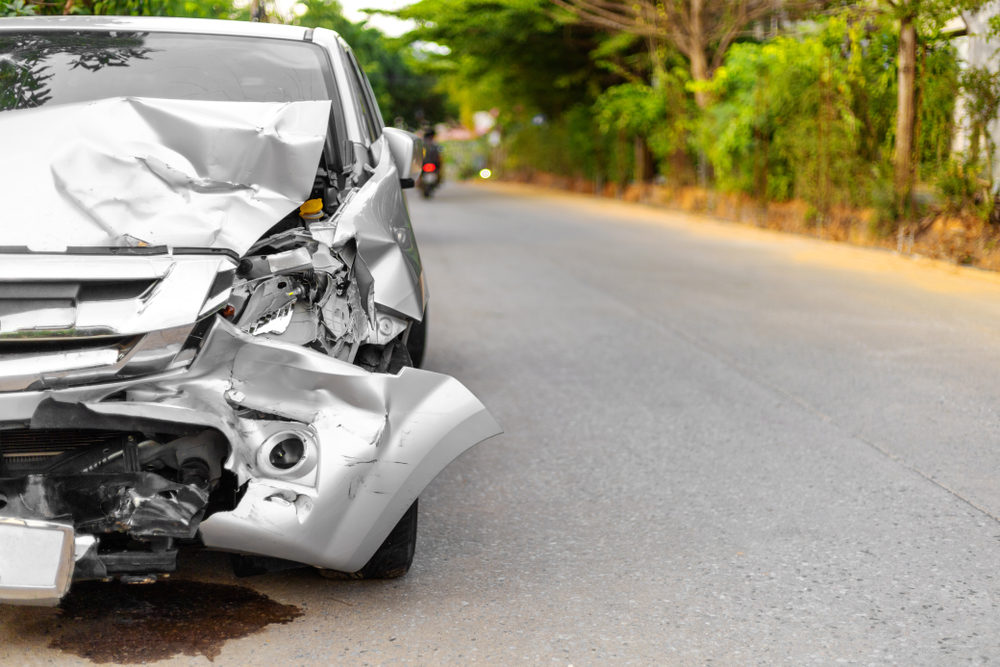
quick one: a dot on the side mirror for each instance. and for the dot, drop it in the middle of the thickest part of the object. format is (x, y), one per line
(407, 152)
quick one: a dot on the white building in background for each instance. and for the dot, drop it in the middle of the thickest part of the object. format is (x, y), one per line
(975, 49)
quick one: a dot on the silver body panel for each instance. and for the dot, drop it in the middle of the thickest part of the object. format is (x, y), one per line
(378, 219)
(132, 172)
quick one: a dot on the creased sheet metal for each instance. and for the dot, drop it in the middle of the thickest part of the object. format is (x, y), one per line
(376, 218)
(126, 172)
(374, 440)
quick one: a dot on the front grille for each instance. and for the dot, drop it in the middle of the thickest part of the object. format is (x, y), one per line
(25, 451)
(20, 441)
(33, 364)
(11, 346)
(21, 294)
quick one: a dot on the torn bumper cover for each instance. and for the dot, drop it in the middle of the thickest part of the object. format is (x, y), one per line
(370, 443)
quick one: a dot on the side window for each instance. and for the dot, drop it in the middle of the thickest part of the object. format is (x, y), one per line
(373, 103)
(359, 84)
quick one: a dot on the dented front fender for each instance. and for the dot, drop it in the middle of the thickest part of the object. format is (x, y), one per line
(373, 461)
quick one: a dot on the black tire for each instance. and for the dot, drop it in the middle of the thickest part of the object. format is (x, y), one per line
(393, 558)
(416, 343)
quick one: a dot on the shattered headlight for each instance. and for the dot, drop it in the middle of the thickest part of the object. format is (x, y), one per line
(272, 323)
(267, 306)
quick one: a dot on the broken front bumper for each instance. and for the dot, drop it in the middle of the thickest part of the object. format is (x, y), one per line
(369, 444)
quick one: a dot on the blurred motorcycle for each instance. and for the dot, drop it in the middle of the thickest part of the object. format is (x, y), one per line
(430, 179)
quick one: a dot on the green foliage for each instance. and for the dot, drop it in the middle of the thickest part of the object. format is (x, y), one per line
(809, 114)
(508, 53)
(122, 8)
(204, 9)
(939, 79)
(568, 145)
(958, 185)
(529, 61)
(17, 8)
(963, 189)
(192, 8)
(635, 108)
(812, 116)
(402, 91)
(661, 115)
(883, 201)
(782, 124)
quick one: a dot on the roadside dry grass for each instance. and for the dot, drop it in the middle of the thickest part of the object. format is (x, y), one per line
(883, 262)
(959, 239)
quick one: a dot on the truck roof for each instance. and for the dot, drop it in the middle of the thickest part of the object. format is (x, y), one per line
(154, 24)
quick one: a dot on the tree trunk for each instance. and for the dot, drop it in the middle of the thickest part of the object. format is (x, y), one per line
(621, 178)
(906, 112)
(696, 51)
(699, 72)
(643, 171)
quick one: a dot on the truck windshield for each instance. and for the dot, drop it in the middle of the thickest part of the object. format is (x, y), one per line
(46, 68)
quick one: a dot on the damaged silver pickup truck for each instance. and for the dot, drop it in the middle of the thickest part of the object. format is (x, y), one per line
(211, 306)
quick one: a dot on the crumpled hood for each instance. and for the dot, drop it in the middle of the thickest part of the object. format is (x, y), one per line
(126, 172)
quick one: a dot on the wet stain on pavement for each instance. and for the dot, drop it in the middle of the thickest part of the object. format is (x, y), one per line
(119, 623)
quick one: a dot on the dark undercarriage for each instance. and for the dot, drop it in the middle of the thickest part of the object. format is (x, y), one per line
(137, 497)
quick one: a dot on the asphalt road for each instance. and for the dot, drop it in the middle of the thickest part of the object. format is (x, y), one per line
(722, 445)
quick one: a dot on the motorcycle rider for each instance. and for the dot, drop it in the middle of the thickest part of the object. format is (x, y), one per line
(432, 164)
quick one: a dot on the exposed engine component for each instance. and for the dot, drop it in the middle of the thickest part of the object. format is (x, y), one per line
(129, 497)
(303, 296)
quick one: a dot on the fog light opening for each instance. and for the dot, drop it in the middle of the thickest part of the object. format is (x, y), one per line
(287, 453)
